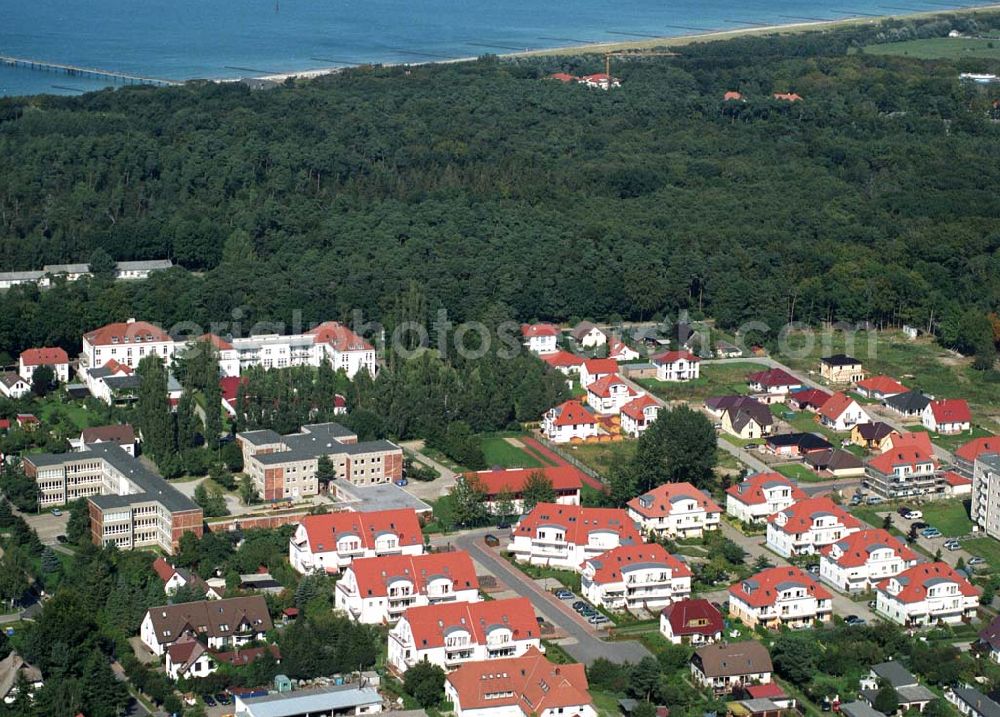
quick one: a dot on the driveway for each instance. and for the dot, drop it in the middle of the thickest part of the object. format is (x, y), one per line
(582, 643)
(428, 490)
(47, 526)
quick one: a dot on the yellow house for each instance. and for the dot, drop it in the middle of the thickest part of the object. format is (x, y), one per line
(841, 368)
(875, 437)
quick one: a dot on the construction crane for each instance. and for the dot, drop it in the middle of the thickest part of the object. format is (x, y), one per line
(632, 53)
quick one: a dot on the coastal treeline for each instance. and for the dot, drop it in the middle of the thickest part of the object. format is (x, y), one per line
(873, 198)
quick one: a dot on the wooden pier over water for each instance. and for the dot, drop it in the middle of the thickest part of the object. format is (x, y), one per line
(78, 71)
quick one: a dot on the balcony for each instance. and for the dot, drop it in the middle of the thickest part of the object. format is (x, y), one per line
(498, 652)
(453, 658)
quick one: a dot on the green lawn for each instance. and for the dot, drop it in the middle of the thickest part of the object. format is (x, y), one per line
(75, 411)
(937, 48)
(716, 380)
(554, 578)
(606, 703)
(798, 472)
(948, 516)
(498, 452)
(985, 548)
(919, 364)
(601, 456)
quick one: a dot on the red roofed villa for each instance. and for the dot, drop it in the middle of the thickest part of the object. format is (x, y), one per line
(642, 576)
(677, 366)
(809, 525)
(880, 387)
(607, 395)
(948, 416)
(675, 510)
(638, 414)
(761, 495)
(566, 536)
(565, 479)
(863, 559)
(55, 358)
(782, 596)
(328, 543)
(927, 594)
(569, 421)
(540, 338)
(691, 622)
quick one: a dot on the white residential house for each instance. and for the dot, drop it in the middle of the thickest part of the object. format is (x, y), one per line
(638, 414)
(675, 510)
(569, 421)
(761, 495)
(188, 659)
(13, 386)
(677, 366)
(809, 525)
(781, 596)
(947, 416)
(840, 412)
(925, 595)
(863, 559)
(54, 358)
(452, 634)
(618, 350)
(587, 335)
(540, 338)
(595, 369)
(231, 622)
(725, 666)
(635, 577)
(126, 343)
(377, 591)
(691, 622)
(565, 536)
(329, 542)
(607, 395)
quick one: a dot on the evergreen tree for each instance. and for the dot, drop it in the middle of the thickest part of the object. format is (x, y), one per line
(102, 266)
(886, 700)
(188, 423)
(103, 694)
(424, 682)
(325, 472)
(42, 380)
(153, 408)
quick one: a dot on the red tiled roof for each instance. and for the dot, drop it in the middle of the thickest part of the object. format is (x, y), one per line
(182, 651)
(978, 446)
(561, 359)
(562, 77)
(114, 367)
(920, 440)
(578, 522)
(906, 455)
(684, 617)
(954, 479)
(835, 406)
(732, 95)
(787, 96)
(951, 410)
(608, 566)
(429, 623)
(616, 347)
(23, 418)
(530, 330)
(602, 386)
(811, 397)
(596, 77)
(339, 337)
(163, 569)
(531, 683)
(44, 357)
(664, 496)
(118, 332)
(601, 366)
(800, 515)
(373, 575)
(230, 386)
(751, 490)
(773, 377)
(672, 356)
(767, 691)
(885, 385)
(572, 413)
(324, 530)
(762, 589)
(635, 408)
(216, 341)
(494, 482)
(857, 547)
(122, 434)
(246, 655)
(915, 581)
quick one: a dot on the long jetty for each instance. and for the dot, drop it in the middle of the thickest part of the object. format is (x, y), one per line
(78, 71)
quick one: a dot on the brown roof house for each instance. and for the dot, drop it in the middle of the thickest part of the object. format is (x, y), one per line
(724, 667)
(122, 435)
(224, 623)
(11, 668)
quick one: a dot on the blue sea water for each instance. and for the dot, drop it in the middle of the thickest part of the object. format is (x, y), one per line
(183, 39)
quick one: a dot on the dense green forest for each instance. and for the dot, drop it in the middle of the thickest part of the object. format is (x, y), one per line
(874, 198)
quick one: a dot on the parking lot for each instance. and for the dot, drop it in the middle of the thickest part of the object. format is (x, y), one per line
(47, 525)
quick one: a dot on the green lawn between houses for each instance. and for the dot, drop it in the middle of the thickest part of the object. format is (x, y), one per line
(984, 548)
(717, 379)
(951, 517)
(798, 472)
(601, 456)
(499, 452)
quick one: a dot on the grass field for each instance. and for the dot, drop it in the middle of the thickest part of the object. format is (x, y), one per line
(919, 364)
(948, 516)
(798, 472)
(716, 380)
(984, 548)
(601, 456)
(498, 452)
(939, 48)
(74, 411)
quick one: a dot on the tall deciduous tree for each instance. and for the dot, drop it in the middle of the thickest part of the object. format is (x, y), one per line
(537, 489)
(153, 408)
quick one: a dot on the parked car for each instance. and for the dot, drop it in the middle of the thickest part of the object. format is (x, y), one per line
(904, 510)
(854, 620)
(976, 560)
(872, 604)
(579, 605)
(563, 594)
(952, 545)
(814, 568)
(223, 699)
(209, 701)
(920, 526)
(873, 500)
(914, 515)
(56, 512)
(598, 620)
(856, 500)
(402, 482)
(491, 540)
(931, 533)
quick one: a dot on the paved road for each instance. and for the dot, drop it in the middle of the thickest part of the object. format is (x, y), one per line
(583, 643)
(428, 490)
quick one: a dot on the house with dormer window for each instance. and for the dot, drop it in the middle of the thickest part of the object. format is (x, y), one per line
(328, 543)
(452, 634)
(927, 594)
(675, 510)
(761, 495)
(635, 577)
(780, 597)
(566, 536)
(230, 622)
(809, 525)
(863, 559)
